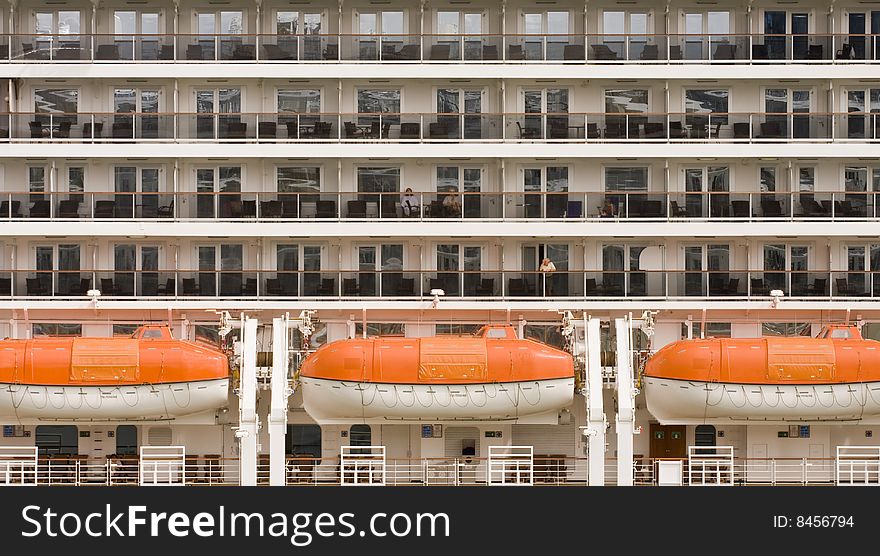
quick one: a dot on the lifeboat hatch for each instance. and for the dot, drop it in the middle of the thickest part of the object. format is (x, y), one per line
(96, 360)
(440, 360)
(800, 362)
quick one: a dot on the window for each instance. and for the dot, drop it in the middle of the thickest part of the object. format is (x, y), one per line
(207, 333)
(617, 24)
(226, 26)
(380, 329)
(303, 440)
(713, 330)
(56, 106)
(126, 440)
(360, 435)
(546, 191)
(626, 178)
(704, 435)
(219, 187)
(53, 440)
(707, 101)
(375, 103)
(452, 24)
(58, 269)
(124, 329)
(56, 329)
(298, 101)
(545, 333)
(626, 101)
(457, 329)
(785, 329)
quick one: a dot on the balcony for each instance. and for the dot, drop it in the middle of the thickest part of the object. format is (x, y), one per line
(443, 48)
(584, 285)
(569, 127)
(609, 206)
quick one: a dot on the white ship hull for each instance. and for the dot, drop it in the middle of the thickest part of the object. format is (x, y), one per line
(684, 402)
(334, 401)
(98, 403)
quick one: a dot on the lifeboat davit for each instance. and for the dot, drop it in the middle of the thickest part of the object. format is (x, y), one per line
(148, 376)
(491, 376)
(833, 377)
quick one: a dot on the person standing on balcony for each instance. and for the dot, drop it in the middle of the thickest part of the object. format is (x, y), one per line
(410, 203)
(547, 267)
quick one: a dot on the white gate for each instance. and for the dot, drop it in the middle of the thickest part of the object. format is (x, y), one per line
(18, 465)
(362, 465)
(858, 465)
(163, 466)
(511, 465)
(710, 465)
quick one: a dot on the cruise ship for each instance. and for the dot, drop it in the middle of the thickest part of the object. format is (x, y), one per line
(431, 242)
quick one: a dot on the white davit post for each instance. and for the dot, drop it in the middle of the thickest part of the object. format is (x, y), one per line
(625, 419)
(596, 421)
(278, 406)
(249, 421)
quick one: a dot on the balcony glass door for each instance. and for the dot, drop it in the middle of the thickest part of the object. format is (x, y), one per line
(218, 35)
(219, 114)
(863, 106)
(460, 109)
(58, 31)
(219, 190)
(461, 32)
(291, 27)
(385, 28)
(778, 25)
(545, 34)
(379, 186)
(136, 35)
(546, 114)
(287, 266)
(145, 103)
(548, 284)
(550, 182)
(134, 275)
(457, 179)
(860, 46)
(62, 261)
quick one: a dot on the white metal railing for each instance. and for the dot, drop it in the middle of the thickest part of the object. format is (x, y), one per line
(163, 465)
(857, 465)
(511, 465)
(710, 465)
(362, 465)
(18, 465)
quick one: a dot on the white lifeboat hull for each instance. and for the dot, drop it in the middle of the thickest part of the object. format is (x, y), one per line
(685, 402)
(138, 402)
(336, 401)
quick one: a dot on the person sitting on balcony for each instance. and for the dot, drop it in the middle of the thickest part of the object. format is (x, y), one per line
(451, 205)
(410, 203)
(608, 211)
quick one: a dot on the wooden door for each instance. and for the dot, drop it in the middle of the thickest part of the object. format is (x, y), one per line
(668, 441)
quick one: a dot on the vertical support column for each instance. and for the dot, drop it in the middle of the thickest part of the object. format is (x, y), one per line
(625, 419)
(278, 401)
(595, 410)
(249, 422)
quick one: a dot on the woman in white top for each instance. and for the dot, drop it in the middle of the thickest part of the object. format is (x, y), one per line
(547, 267)
(410, 203)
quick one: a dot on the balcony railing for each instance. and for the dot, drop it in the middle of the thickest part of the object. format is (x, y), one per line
(449, 205)
(414, 127)
(483, 48)
(417, 284)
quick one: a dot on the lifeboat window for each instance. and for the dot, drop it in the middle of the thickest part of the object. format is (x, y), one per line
(704, 435)
(360, 435)
(496, 333)
(839, 333)
(53, 440)
(303, 440)
(456, 329)
(126, 440)
(153, 334)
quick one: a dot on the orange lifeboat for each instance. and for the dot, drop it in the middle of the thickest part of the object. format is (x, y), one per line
(491, 376)
(833, 377)
(147, 376)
